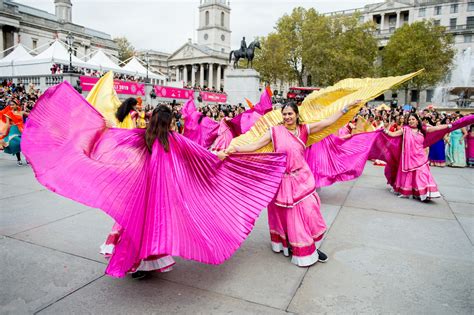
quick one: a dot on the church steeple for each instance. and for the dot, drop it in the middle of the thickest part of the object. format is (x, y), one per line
(214, 25)
(63, 10)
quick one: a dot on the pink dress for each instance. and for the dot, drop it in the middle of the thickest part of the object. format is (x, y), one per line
(414, 178)
(293, 216)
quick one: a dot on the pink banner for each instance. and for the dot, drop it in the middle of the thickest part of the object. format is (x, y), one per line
(121, 87)
(172, 92)
(213, 97)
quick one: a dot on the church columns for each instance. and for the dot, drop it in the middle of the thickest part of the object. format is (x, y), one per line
(185, 75)
(210, 82)
(177, 73)
(218, 85)
(193, 75)
(1, 42)
(201, 75)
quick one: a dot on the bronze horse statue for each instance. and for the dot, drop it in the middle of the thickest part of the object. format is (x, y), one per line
(247, 54)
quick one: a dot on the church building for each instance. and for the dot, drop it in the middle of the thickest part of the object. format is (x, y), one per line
(203, 63)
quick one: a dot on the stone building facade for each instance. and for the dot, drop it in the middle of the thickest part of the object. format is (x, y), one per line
(36, 29)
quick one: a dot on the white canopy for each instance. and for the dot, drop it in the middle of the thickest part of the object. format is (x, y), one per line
(137, 68)
(41, 64)
(19, 53)
(101, 60)
(57, 53)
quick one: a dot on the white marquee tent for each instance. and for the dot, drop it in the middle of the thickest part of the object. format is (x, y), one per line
(7, 63)
(41, 64)
(137, 68)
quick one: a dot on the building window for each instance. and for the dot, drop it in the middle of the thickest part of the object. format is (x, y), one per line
(207, 17)
(222, 37)
(470, 22)
(437, 22)
(454, 8)
(453, 23)
(206, 36)
(429, 95)
(222, 18)
(437, 10)
(470, 6)
(468, 38)
(35, 43)
(414, 95)
(422, 12)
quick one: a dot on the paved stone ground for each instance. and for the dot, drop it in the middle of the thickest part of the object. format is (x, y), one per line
(387, 255)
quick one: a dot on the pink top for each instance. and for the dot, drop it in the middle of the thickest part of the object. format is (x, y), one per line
(413, 153)
(298, 181)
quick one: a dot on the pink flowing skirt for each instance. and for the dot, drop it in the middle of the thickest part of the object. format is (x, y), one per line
(418, 183)
(297, 229)
(159, 263)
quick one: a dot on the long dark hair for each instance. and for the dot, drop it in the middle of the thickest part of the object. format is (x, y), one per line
(419, 125)
(125, 108)
(159, 127)
(295, 109)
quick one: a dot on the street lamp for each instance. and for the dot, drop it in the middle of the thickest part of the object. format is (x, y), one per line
(147, 62)
(70, 41)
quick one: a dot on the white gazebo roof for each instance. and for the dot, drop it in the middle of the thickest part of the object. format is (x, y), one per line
(101, 60)
(19, 53)
(57, 53)
(136, 67)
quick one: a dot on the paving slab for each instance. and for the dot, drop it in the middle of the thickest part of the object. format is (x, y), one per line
(370, 181)
(151, 296)
(384, 200)
(362, 279)
(32, 277)
(373, 170)
(23, 212)
(80, 234)
(462, 208)
(9, 190)
(458, 194)
(411, 234)
(254, 273)
(335, 194)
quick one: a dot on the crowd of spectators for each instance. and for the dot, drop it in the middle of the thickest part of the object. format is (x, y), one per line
(198, 88)
(26, 96)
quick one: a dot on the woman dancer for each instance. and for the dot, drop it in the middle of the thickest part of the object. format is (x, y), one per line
(456, 148)
(470, 147)
(437, 155)
(413, 177)
(294, 216)
(171, 196)
(127, 114)
(13, 117)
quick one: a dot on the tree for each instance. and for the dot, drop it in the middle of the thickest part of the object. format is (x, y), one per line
(270, 60)
(125, 48)
(290, 31)
(338, 47)
(327, 48)
(419, 45)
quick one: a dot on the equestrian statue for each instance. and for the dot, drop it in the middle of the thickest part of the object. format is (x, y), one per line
(244, 52)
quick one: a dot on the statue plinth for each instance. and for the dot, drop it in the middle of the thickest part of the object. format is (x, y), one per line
(240, 84)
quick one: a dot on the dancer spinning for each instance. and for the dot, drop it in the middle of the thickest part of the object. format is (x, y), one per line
(170, 195)
(413, 177)
(294, 215)
(13, 118)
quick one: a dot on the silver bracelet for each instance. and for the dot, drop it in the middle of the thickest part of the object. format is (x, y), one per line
(450, 126)
(344, 110)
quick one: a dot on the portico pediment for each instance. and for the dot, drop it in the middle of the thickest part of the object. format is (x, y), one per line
(387, 6)
(188, 51)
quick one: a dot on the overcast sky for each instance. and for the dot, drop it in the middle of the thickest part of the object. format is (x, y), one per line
(165, 25)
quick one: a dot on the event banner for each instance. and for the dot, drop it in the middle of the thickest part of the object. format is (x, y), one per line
(172, 92)
(213, 97)
(121, 87)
